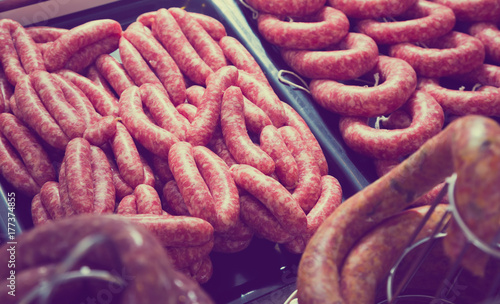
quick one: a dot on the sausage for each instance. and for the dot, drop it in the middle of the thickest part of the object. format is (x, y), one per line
(94, 74)
(427, 120)
(135, 65)
(318, 274)
(80, 182)
(399, 80)
(151, 136)
(187, 110)
(114, 73)
(488, 34)
(241, 58)
(286, 168)
(218, 145)
(87, 55)
(63, 191)
(194, 95)
(104, 103)
(160, 166)
(39, 215)
(373, 9)
(127, 157)
(374, 255)
(149, 176)
(293, 9)
(6, 92)
(147, 18)
(175, 231)
(104, 189)
(296, 121)
(78, 38)
(9, 58)
(451, 54)
(482, 10)
(484, 101)
(326, 27)
(216, 174)
(235, 134)
(43, 34)
(160, 60)
(207, 48)
(423, 21)
(148, 200)
(194, 189)
(34, 156)
(101, 131)
(227, 245)
(202, 271)
(163, 110)
(172, 199)
(273, 195)
(329, 200)
(29, 54)
(398, 119)
(51, 201)
(262, 221)
(127, 205)
(14, 171)
(211, 25)
(122, 188)
(175, 42)
(36, 115)
(183, 257)
(263, 96)
(207, 116)
(255, 118)
(352, 57)
(308, 187)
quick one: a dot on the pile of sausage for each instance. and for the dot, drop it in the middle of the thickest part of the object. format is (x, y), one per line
(414, 48)
(183, 135)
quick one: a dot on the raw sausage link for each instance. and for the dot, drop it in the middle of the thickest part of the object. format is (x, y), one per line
(361, 9)
(104, 103)
(194, 189)
(273, 195)
(213, 26)
(263, 96)
(218, 145)
(216, 174)
(38, 213)
(14, 171)
(127, 205)
(485, 101)
(127, 157)
(42, 34)
(329, 200)
(101, 131)
(6, 92)
(308, 187)
(194, 95)
(172, 199)
(63, 191)
(114, 73)
(286, 168)
(427, 120)
(160, 166)
(262, 221)
(326, 27)
(87, 55)
(176, 231)
(8, 54)
(160, 60)
(255, 118)
(52, 97)
(163, 110)
(296, 121)
(79, 175)
(488, 34)
(29, 54)
(235, 133)
(34, 156)
(151, 136)
(187, 110)
(207, 116)
(135, 65)
(186, 256)
(398, 81)
(148, 200)
(97, 78)
(51, 200)
(352, 57)
(241, 58)
(77, 38)
(228, 245)
(451, 54)
(149, 175)
(482, 10)
(423, 21)
(202, 271)
(104, 189)
(207, 48)
(175, 42)
(295, 8)
(36, 115)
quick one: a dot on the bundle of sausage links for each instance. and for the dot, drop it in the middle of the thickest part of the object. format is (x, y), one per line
(413, 50)
(183, 135)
